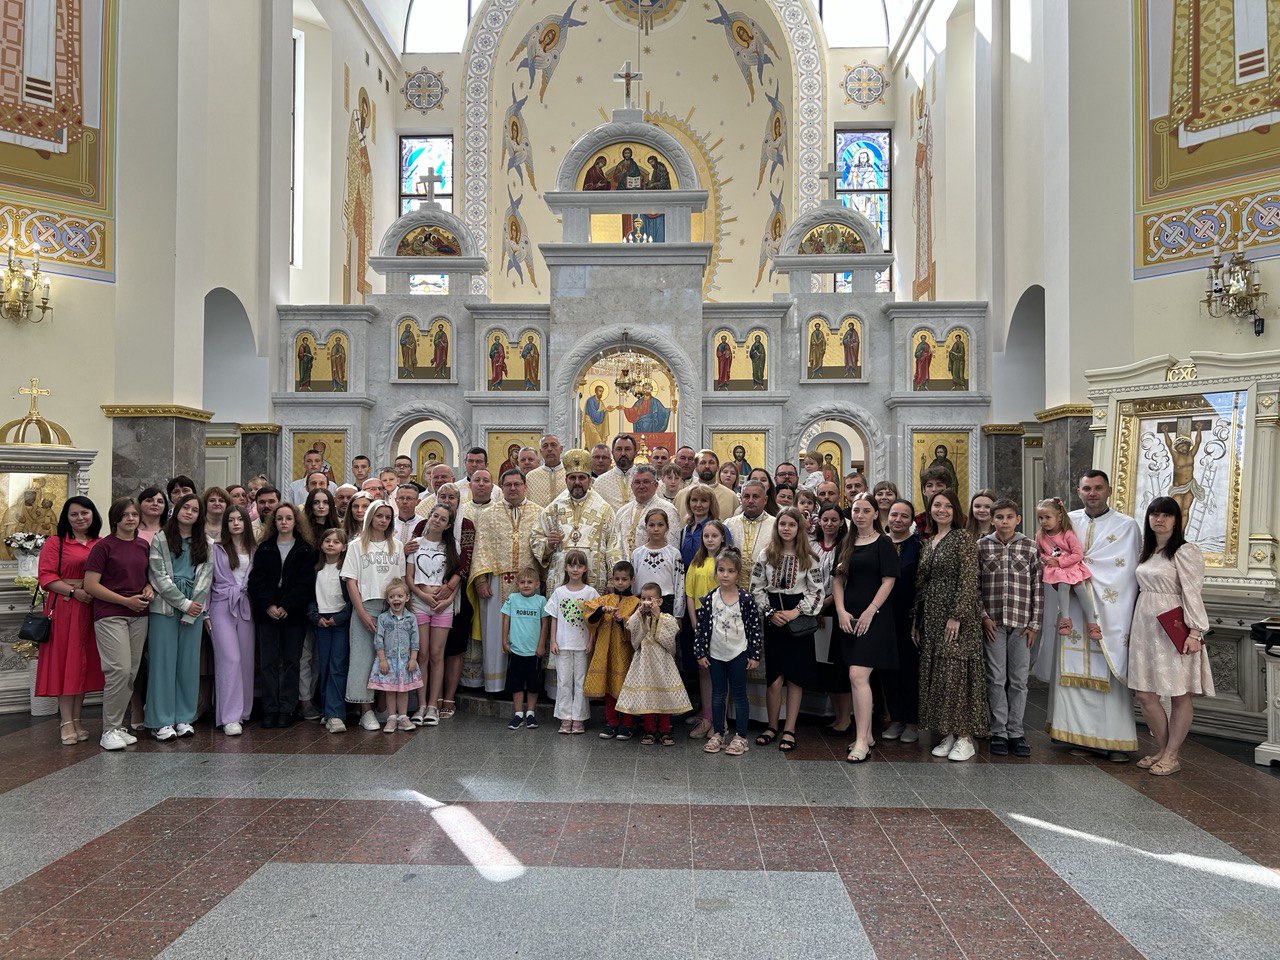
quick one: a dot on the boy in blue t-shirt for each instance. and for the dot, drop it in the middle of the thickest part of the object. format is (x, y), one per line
(525, 628)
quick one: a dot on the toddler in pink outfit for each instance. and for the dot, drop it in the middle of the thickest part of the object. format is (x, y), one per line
(1064, 570)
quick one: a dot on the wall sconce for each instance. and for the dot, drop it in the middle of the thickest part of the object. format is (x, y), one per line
(25, 288)
(1235, 289)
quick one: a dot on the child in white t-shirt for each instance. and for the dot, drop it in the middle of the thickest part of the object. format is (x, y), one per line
(571, 642)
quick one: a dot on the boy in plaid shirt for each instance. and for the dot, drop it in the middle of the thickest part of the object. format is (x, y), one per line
(1011, 603)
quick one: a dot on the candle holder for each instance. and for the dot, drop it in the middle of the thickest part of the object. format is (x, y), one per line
(26, 288)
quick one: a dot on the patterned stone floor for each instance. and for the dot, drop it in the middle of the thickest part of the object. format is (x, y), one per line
(473, 841)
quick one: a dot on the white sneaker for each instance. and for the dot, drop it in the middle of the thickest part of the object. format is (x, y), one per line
(963, 750)
(111, 740)
(893, 731)
(369, 721)
(126, 736)
(944, 748)
(232, 729)
(184, 729)
(165, 733)
(391, 723)
(335, 725)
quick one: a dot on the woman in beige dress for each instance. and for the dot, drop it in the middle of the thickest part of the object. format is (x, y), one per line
(1170, 574)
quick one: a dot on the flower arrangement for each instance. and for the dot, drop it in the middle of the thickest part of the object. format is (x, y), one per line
(24, 542)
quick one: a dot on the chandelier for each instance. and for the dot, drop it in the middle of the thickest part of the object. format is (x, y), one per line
(22, 285)
(1235, 289)
(632, 371)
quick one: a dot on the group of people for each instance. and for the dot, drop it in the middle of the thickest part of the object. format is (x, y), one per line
(651, 586)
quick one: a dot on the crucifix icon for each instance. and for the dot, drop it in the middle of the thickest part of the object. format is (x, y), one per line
(832, 176)
(35, 393)
(428, 183)
(626, 76)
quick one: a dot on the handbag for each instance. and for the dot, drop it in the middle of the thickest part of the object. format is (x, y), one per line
(35, 625)
(802, 626)
(1175, 628)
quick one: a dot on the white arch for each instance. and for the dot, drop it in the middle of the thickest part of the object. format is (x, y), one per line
(416, 411)
(570, 365)
(806, 41)
(855, 416)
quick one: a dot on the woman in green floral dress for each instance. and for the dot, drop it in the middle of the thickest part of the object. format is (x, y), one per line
(953, 685)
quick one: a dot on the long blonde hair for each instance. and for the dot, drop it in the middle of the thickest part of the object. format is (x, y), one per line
(393, 547)
(805, 557)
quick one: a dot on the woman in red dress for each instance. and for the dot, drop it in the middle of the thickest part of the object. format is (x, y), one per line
(68, 666)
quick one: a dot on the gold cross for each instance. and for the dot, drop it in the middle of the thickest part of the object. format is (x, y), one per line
(35, 393)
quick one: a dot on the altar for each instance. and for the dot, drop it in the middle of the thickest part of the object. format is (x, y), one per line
(627, 342)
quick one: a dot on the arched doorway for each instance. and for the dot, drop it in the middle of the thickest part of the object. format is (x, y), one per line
(841, 446)
(628, 390)
(425, 441)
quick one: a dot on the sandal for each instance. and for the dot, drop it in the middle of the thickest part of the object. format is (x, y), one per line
(566, 727)
(1146, 763)
(447, 709)
(831, 730)
(766, 738)
(1164, 768)
(81, 733)
(857, 754)
(648, 740)
(788, 741)
(737, 747)
(668, 740)
(72, 740)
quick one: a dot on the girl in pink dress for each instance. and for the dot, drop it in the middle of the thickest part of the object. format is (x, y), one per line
(1064, 571)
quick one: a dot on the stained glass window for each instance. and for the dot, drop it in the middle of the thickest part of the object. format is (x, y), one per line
(864, 161)
(420, 156)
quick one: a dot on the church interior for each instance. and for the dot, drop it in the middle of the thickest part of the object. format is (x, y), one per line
(1009, 238)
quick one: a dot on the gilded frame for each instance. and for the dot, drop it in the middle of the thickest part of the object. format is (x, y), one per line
(1140, 460)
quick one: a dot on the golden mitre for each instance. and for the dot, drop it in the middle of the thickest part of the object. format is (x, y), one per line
(576, 461)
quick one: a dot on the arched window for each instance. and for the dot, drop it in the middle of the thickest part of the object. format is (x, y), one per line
(437, 26)
(863, 23)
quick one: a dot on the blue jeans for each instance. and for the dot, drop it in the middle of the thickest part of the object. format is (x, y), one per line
(332, 653)
(727, 675)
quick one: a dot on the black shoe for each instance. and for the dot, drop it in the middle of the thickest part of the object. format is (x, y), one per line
(831, 730)
(530, 721)
(625, 733)
(609, 733)
(517, 721)
(285, 720)
(1020, 747)
(270, 721)
(999, 747)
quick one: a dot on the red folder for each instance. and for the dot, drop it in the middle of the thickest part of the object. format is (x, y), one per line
(1175, 628)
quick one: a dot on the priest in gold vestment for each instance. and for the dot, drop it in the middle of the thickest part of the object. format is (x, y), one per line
(502, 550)
(578, 519)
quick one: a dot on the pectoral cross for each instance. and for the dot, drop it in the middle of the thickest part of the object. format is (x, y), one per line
(626, 76)
(35, 393)
(428, 183)
(832, 176)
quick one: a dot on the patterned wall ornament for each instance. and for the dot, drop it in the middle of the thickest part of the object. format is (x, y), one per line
(424, 90)
(490, 25)
(1180, 235)
(864, 84)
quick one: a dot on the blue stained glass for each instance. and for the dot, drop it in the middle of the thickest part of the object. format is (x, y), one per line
(421, 155)
(873, 206)
(408, 204)
(862, 159)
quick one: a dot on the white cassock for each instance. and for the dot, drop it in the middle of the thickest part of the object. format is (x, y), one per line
(614, 486)
(1089, 701)
(630, 522)
(543, 484)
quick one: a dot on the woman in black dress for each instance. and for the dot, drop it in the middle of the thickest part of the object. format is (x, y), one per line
(902, 685)
(864, 578)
